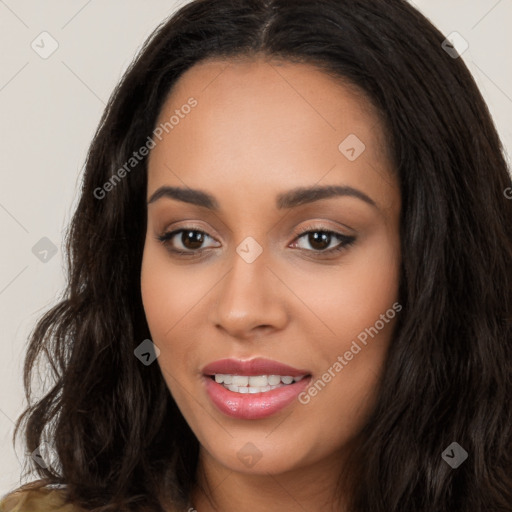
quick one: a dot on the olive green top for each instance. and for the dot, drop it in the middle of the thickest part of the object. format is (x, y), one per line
(36, 500)
(46, 499)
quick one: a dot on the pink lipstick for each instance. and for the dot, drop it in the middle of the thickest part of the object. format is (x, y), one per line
(255, 388)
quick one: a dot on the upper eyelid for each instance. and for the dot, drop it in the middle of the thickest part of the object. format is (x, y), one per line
(308, 227)
(300, 234)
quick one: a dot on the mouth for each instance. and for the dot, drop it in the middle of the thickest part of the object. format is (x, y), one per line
(254, 383)
(253, 389)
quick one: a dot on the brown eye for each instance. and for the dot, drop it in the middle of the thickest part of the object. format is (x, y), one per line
(320, 240)
(192, 239)
(189, 241)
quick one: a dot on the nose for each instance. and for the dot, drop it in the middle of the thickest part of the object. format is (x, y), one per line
(250, 300)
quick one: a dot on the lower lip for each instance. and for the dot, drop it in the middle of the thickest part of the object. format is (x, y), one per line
(253, 406)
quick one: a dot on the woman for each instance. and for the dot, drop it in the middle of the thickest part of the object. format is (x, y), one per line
(289, 276)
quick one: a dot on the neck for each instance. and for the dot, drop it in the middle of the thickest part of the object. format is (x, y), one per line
(312, 487)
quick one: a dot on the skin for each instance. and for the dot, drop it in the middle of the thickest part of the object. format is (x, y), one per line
(262, 127)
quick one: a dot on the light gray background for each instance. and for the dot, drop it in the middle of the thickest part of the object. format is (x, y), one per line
(49, 109)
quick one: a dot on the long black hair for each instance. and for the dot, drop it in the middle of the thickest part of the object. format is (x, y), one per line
(120, 438)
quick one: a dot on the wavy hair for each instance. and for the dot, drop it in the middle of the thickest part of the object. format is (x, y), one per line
(121, 440)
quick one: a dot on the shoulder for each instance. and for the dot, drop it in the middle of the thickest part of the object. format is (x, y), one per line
(36, 499)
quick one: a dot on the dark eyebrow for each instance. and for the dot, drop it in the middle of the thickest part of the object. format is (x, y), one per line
(187, 195)
(289, 199)
(304, 195)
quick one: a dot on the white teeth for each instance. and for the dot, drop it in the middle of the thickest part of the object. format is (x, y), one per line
(273, 380)
(259, 381)
(250, 389)
(261, 389)
(240, 380)
(254, 383)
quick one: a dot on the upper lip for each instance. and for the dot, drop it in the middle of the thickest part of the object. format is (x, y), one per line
(256, 366)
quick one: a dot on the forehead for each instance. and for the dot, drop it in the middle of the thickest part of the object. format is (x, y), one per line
(266, 124)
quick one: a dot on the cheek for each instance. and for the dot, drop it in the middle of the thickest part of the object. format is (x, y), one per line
(164, 298)
(169, 292)
(164, 308)
(351, 296)
(355, 303)
(174, 298)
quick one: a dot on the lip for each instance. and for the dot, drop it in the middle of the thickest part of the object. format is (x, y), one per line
(256, 366)
(252, 406)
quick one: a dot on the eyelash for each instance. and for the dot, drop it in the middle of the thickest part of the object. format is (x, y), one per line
(345, 241)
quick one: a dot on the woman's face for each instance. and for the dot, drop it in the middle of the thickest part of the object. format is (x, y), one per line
(249, 134)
